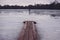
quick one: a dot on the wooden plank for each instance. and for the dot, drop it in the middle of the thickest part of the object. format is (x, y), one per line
(29, 32)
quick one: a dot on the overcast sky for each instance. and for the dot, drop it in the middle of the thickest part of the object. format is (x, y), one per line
(25, 2)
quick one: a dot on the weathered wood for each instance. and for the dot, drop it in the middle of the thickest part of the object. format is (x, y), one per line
(29, 31)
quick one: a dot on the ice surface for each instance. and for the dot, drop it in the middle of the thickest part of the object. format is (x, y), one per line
(11, 24)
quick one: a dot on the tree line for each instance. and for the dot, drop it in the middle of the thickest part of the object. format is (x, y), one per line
(36, 6)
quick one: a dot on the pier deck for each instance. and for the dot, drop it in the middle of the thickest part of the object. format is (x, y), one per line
(29, 31)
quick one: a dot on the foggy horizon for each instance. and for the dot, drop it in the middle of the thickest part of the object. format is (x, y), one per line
(25, 2)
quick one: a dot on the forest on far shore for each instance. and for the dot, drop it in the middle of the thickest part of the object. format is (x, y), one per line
(36, 6)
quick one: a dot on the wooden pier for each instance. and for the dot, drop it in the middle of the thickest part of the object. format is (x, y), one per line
(29, 31)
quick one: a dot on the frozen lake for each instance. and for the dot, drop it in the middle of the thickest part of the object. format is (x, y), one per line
(11, 23)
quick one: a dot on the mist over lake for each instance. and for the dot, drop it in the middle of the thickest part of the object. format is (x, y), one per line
(11, 23)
